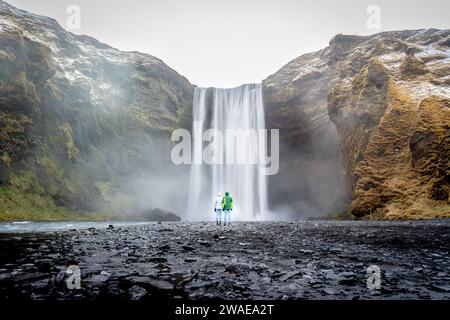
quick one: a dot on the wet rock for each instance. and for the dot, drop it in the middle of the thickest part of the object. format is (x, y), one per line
(375, 292)
(328, 291)
(157, 259)
(104, 273)
(165, 247)
(440, 287)
(152, 283)
(114, 290)
(289, 288)
(346, 274)
(289, 275)
(268, 271)
(28, 266)
(237, 268)
(136, 292)
(348, 278)
(349, 281)
(204, 243)
(44, 264)
(195, 285)
(225, 285)
(97, 280)
(263, 266)
(163, 266)
(20, 277)
(277, 273)
(330, 275)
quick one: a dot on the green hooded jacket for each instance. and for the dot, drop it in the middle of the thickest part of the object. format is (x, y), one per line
(227, 202)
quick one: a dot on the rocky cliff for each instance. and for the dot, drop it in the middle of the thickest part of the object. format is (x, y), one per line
(81, 123)
(364, 125)
(388, 97)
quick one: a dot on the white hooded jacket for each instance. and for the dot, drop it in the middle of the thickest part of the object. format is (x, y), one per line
(218, 202)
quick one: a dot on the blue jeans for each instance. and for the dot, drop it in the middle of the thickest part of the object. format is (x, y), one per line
(226, 216)
(218, 215)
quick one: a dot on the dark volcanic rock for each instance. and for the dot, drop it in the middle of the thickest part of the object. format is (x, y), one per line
(413, 265)
(136, 292)
(152, 283)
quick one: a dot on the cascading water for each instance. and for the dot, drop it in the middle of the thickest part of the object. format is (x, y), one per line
(236, 108)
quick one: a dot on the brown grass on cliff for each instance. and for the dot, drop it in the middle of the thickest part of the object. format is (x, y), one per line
(404, 174)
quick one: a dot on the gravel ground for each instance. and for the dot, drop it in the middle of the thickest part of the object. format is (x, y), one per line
(260, 260)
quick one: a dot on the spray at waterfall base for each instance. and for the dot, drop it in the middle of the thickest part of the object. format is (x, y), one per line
(228, 151)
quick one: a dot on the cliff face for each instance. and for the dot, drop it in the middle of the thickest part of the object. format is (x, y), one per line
(80, 120)
(364, 125)
(311, 177)
(388, 96)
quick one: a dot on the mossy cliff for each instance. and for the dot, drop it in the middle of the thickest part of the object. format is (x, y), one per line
(79, 121)
(388, 97)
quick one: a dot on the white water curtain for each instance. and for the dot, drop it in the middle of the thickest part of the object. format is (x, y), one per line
(236, 108)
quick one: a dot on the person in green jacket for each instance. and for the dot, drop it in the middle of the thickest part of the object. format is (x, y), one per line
(227, 206)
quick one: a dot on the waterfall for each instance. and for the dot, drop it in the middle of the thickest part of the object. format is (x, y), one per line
(236, 108)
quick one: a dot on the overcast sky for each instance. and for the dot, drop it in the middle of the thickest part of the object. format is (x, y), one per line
(225, 43)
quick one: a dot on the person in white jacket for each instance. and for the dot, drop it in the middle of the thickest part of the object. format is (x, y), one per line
(218, 209)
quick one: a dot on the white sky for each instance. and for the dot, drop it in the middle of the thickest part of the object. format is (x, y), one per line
(225, 43)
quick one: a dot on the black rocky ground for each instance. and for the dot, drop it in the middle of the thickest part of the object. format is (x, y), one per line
(266, 260)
